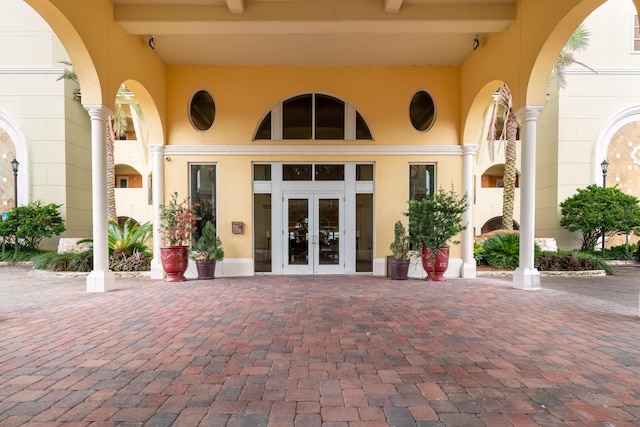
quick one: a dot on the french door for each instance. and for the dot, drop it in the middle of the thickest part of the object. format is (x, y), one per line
(313, 225)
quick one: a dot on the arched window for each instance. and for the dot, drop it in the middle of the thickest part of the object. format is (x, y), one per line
(313, 117)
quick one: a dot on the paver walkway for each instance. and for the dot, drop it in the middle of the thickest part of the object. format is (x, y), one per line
(314, 351)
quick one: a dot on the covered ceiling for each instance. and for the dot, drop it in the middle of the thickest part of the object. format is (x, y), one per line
(314, 32)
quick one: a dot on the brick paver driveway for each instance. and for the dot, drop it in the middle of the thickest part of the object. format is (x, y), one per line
(314, 351)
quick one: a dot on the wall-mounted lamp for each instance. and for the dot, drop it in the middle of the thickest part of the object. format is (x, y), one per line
(476, 42)
(152, 43)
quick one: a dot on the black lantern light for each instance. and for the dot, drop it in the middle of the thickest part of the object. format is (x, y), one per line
(605, 167)
(14, 165)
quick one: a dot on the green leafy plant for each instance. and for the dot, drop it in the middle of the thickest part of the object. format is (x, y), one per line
(24, 255)
(620, 252)
(31, 223)
(434, 221)
(400, 245)
(178, 221)
(502, 251)
(596, 210)
(129, 238)
(571, 261)
(479, 253)
(68, 261)
(209, 246)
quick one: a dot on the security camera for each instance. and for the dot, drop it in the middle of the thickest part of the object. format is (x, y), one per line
(167, 158)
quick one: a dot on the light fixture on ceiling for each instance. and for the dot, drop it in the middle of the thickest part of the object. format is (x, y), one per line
(476, 42)
(152, 43)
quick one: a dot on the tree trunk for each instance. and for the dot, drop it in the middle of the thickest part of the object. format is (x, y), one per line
(509, 178)
(111, 175)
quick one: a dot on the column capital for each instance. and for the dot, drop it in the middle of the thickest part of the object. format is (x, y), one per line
(156, 148)
(469, 149)
(529, 112)
(98, 111)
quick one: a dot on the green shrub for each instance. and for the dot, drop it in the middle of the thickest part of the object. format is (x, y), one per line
(571, 261)
(129, 238)
(33, 222)
(597, 210)
(11, 257)
(619, 252)
(53, 261)
(502, 251)
(478, 253)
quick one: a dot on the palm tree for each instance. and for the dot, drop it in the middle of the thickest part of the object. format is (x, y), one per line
(503, 120)
(578, 42)
(116, 126)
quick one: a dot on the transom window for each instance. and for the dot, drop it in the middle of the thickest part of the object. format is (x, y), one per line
(310, 172)
(313, 117)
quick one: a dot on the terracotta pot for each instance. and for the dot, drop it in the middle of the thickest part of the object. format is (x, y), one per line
(435, 266)
(206, 269)
(398, 269)
(175, 260)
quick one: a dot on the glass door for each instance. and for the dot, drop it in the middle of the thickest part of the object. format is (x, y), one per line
(313, 234)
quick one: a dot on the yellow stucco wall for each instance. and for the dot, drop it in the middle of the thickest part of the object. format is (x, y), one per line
(243, 95)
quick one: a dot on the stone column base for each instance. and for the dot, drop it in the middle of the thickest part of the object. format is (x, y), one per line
(101, 281)
(156, 269)
(468, 270)
(526, 279)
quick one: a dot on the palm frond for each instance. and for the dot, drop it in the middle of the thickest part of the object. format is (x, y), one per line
(67, 74)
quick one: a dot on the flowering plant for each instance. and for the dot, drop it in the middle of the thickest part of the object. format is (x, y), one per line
(178, 221)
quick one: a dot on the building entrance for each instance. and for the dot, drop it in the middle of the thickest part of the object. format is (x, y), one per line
(313, 218)
(314, 224)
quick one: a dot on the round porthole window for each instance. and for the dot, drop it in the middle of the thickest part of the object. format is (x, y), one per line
(422, 111)
(202, 110)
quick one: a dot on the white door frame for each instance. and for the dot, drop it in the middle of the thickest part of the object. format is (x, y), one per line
(314, 252)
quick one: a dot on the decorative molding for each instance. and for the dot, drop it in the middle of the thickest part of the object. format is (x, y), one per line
(528, 113)
(604, 71)
(313, 150)
(98, 111)
(30, 70)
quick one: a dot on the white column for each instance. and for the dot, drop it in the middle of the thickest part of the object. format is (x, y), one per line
(526, 275)
(468, 261)
(157, 193)
(100, 279)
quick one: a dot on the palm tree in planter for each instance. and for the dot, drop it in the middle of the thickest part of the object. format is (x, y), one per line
(206, 251)
(399, 263)
(178, 221)
(433, 222)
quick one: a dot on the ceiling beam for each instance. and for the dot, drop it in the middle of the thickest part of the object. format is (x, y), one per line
(235, 6)
(392, 6)
(280, 17)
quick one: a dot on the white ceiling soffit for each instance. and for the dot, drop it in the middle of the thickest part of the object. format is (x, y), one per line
(306, 32)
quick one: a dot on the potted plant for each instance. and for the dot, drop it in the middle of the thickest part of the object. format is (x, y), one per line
(399, 262)
(206, 251)
(178, 221)
(433, 222)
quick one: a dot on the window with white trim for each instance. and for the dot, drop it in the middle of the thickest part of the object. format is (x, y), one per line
(313, 117)
(422, 180)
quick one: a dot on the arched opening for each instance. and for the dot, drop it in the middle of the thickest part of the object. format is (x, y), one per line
(127, 177)
(493, 177)
(495, 223)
